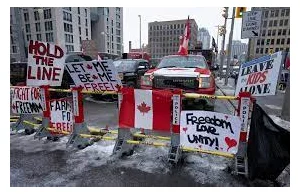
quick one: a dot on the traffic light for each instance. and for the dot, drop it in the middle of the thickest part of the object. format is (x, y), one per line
(239, 12)
(225, 12)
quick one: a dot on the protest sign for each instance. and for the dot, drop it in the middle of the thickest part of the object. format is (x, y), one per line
(94, 75)
(61, 115)
(45, 64)
(27, 100)
(259, 76)
(210, 131)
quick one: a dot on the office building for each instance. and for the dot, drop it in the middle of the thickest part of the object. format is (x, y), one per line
(164, 37)
(238, 48)
(204, 38)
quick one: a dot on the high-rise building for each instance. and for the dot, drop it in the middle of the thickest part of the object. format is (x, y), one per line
(107, 29)
(65, 26)
(274, 33)
(238, 48)
(164, 37)
(204, 38)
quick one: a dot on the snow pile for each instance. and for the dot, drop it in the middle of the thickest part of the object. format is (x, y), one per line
(284, 124)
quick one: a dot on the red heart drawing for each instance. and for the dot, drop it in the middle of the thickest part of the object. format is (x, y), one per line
(200, 146)
(230, 142)
(184, 129)
(89, 66)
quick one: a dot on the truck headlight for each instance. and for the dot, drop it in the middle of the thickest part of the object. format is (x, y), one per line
(204, 82)
(146, 80)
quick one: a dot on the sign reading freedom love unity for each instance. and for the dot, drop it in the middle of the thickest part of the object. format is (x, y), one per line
(210, 131)
(260, 76)
(45, 64)
(94, 75)
(61, 115)
(27, 100)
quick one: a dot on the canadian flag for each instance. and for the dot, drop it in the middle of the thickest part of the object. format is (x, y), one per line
(184, 42)
(147, 109)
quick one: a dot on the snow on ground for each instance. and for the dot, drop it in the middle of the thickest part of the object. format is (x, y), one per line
(284, 124)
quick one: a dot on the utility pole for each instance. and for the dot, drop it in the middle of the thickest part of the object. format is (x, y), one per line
(140, 33)
(225, 15)
(229, 46)
(285, 112)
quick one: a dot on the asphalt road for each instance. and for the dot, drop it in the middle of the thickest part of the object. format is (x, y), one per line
(45, 163)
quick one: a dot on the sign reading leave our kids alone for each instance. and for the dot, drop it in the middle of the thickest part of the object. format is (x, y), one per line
(45, 64)
(95, 76)
(259, 76)
(210, 131)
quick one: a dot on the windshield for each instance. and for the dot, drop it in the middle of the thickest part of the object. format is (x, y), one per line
(183, 61)
(123, 66)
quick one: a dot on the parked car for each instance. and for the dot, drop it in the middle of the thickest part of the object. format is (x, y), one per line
(131, 70)
(190, 73)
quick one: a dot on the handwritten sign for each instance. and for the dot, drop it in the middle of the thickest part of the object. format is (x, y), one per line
(45, 64)
(259, 76)
(95, 76)
(210, 131)
(27, 100)
(61, 115)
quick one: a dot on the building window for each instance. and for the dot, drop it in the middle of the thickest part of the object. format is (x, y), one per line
(282, 41)
(277, 49)
(37, 27)
(48, 26)
(271, 23)
(26, 17)
(257, 50)
(265, 24)
(36, 16)
(268, 42)
(39, 37)
(47, 14)
(272, 13)
(284, 32)
(274, 33)
(70, 48)
(282, 12)
(12, 40)
(266, 51)
(27, 27)
(79, 21)
(261, 50)
(258, 42)
(286, 22)
(272, 41)
(78, 10)
(266, 14)
(278, 41)
(69, 38)
(269, 32)
(263, 32)
(118, 17)
(119, 39)
(67, 16)
(118, 24)
(86, 32)
(85, 11)
(49, 37)
(262, 42)
(28, 37)
(68, 27)
(14, 49)
(279, 32)
(287, 12)
(281, 23)
(288, 41)
(276, 13)
(275, 23)
(67, 8)
(86, 22)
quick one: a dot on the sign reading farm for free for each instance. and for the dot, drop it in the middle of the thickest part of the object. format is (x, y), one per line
(95, 76)
(27, 100)
(61, 115)
(210, 131)
(259, 76)
(45, 64)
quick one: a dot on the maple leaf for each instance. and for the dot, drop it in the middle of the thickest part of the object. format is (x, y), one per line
(143, 108)
(95, 77)
(89, 66)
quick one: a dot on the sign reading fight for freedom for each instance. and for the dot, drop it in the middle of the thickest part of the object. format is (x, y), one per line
(61, 115)
(45, 64)
(259, 76)
(210, 131)
(94, 75)
(27, 100)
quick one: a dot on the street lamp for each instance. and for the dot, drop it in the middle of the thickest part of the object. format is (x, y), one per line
(107, 34)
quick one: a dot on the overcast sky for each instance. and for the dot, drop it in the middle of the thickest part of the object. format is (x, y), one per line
(207, 17)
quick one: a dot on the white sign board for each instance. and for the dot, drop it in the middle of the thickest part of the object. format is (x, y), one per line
(45, 64)
(176, 109)
(259, 76)
(251, 24)
(95, 76)
(244, 112)
(27, 100)
(210, 131)
(61, 115)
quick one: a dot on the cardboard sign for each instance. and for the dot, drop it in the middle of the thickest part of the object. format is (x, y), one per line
(61, 115)
(210, 131)
(251, 24)
(95, 76)
(45, 64)
(259, 76)
(27, 100)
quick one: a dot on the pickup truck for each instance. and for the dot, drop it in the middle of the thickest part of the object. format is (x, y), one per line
(190, 73)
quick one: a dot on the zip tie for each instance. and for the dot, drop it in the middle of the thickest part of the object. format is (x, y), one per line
(147, 143)
(151, 136)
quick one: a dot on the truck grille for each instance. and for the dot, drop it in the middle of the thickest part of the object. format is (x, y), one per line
(175, 82)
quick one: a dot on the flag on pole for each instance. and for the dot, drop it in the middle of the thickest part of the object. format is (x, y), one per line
(184, 42)
(147, 109)
(99, 58)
